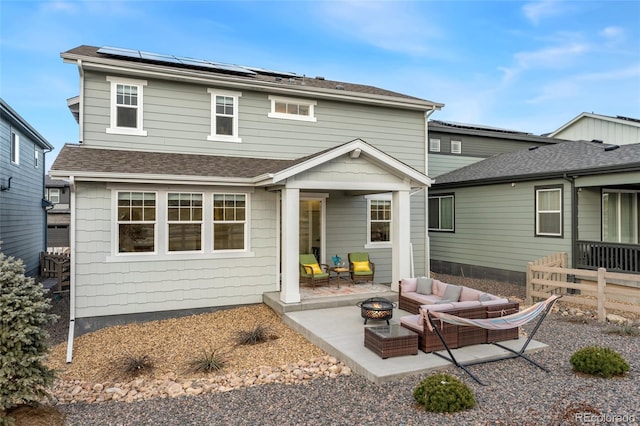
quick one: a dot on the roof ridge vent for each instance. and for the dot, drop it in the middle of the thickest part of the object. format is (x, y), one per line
(339, 87)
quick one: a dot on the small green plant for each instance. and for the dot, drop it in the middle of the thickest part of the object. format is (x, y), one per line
(625, 330)
(209, 360)
(135, 365)
(258, 334)
(599, 361)
(443, 393)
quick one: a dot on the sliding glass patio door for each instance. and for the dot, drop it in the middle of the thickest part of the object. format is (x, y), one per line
(620, 217)
(312, 229)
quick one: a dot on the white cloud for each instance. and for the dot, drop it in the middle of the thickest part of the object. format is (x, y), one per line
(537, 11)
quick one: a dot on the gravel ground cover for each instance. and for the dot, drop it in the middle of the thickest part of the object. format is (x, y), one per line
(518, 393)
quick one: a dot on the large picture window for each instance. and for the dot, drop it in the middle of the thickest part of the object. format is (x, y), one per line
(224, 116)
(136, 222)
(441, 212)
(229, 221)
(379, 220)
(126, 106)
(184, 219)
(549, 212)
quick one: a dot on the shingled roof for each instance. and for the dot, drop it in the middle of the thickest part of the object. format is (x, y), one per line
(571, 158)
(258, 76)
(80, 159)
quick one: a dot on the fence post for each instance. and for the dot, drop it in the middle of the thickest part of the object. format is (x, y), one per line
(529, 286)
(602, 283)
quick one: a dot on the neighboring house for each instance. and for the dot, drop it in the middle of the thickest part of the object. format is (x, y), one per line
(454, 145)
(617, 130)
(23, 219)
(198, 184)
(500, 213)
(59, 215)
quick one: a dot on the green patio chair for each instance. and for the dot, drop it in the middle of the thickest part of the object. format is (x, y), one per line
(312, 272)
(361, 268)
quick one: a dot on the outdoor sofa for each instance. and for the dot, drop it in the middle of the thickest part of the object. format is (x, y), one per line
(420, 295)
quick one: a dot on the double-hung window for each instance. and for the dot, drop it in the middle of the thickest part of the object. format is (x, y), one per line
(184, 220)
(53, 195)
(126, 106)
(224, 116)
(136, 222)
(15, 148)
(434, 145)
(229, 221)
(292, 109)
(549, 211)
(379, 219)
(441, 212)
(456, 147)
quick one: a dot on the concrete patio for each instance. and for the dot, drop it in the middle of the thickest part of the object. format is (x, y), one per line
(333, 323)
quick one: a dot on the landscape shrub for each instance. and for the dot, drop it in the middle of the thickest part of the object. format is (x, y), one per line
(209, 360)
(134, 365)
(258, 334)
(599, 361)
(23, 338)
(443, 393)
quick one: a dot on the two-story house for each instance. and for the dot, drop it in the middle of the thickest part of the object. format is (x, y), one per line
(23, 219)
(193, 182)
(618, 130)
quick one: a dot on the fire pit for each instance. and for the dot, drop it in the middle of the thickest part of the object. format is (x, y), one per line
(376, 308)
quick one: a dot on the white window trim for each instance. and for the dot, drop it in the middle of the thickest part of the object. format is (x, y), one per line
(161, 232)
(453, 214)
(247, 210)
(378, 244)
(236, 104)
(50, 195)
(636, 208)
(311, 104)
(538, 211)
(434, 145)
(168, 222)
(114, 129)
(116, 227)
(456, 147)
(15, 148)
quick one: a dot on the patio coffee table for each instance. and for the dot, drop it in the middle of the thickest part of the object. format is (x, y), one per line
(391, 340)
(338, 271)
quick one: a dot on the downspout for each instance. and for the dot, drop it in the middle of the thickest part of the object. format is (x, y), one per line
(427, 243)
(81, 102)
(72, 266)
(574, 218)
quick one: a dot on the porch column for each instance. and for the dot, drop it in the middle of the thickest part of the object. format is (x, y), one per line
(401, 232)
(290, 286)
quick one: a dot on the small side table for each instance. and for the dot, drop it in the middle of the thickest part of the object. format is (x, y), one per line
(338, 270)
(391, 340)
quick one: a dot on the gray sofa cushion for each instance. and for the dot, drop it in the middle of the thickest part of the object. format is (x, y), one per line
(424, 285)
(485, 297)
(452, 293)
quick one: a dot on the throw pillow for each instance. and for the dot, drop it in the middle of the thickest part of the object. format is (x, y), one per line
(452, 292)
(361, 266)
(424, 285)
(315, 267)
(485, 297)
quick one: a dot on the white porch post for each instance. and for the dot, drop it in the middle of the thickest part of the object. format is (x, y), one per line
(290, 288)
(401, 232)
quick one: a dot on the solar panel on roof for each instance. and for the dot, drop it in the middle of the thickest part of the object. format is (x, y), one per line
(273, 72)
(117, 51)
(149, 56)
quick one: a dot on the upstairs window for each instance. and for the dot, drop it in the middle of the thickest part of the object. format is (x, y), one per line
(36, 157)
(224, 116)
(53, 195)
(229, 221)
(15, 148)
(456, 147)
(549, 212)
(184, 217)
(126, 106)
(379, 219)
(441, 213)
(136, 222)
(434, 145)
(292, 109)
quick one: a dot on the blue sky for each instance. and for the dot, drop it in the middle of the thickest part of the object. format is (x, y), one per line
(529, 66)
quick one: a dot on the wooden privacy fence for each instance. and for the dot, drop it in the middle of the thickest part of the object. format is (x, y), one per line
(55, 270)
(599, 289)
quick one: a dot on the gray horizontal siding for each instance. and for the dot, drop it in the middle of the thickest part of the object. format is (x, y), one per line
(495, 228)
(480, 146)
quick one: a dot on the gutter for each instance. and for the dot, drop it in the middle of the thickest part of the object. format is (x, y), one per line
(81, 102)
(72, 277)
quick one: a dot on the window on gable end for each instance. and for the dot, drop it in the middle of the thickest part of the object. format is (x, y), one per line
(224, 116)
(292, 109)
(126, 116)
